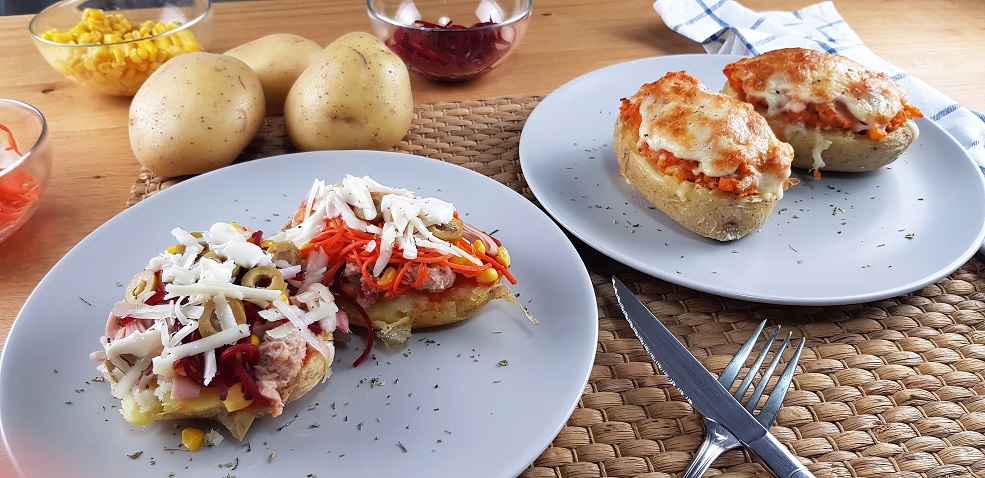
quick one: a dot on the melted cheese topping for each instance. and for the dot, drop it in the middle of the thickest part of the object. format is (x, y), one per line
(723, 136)
(789, 80)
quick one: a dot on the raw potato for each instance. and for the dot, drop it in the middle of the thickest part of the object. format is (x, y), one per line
(356, 95)
(277, 59)
(196, 113)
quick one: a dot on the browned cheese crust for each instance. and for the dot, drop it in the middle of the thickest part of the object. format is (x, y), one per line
(837, 114)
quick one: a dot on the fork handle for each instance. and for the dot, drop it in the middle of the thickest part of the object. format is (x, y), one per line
(776, 456)
(717, 441)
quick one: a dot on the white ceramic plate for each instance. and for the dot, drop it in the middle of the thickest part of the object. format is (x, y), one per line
(843, 239)
(443, 406)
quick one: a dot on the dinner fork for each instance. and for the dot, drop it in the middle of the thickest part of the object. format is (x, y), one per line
(718, 439)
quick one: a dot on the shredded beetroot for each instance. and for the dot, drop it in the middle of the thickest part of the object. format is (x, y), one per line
(339, 294)
(450, 51)
(239, 360)
(236, 363)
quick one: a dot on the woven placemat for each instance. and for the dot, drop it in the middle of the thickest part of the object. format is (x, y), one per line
(887, 388)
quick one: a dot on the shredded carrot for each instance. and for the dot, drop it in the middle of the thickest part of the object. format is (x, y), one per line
(11, 139)
(18, 189)
(344, 244)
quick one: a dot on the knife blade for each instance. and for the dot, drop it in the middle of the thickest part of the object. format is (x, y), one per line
(702, 389)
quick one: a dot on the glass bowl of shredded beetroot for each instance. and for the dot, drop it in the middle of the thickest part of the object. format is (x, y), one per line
(450, 40)
(25, 163)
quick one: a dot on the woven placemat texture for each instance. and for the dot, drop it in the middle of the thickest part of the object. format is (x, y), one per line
(887, 388)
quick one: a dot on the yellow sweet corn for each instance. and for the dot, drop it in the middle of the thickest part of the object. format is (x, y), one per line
(480, 247)
(487, 276)
(503, 256)
(460, 260)
(192, 438)
(118, 61)
(387, 277)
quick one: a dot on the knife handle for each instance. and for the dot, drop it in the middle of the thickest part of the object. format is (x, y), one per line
(776, 456)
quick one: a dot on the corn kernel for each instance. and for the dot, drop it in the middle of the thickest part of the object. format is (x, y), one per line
(387, 277)
(255, 340)
(235, 399)
(192, 438)
(487, 276)
(503, 256)
(461, 260)
(479, 246)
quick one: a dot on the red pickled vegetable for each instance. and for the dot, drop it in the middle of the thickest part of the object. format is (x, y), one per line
(450, 51)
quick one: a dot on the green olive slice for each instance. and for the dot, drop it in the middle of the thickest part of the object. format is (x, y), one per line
(179, 248)
(285, 251)
(264, 277)
(215, 257)
(377, 202)
(208, 324)
(144, 281)
(449, 232)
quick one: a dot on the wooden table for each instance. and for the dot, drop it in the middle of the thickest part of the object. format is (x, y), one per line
(936, 40)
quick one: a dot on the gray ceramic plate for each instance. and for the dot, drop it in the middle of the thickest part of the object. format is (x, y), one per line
(443, 406)
(843, 239)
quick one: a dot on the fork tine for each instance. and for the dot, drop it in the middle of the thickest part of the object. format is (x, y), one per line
(744, 386)
(728, 376)
(772, 405)
(765, 379)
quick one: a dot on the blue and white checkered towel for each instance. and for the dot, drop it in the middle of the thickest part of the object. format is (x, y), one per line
(726, 27)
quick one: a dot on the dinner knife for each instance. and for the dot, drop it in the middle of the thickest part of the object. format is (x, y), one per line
(702, 389)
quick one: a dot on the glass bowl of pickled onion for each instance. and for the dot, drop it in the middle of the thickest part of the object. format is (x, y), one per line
(450, 40)
(25, 163)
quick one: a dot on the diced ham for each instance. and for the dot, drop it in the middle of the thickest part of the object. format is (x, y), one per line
(280, 361)
(116, 331)
(183, 388)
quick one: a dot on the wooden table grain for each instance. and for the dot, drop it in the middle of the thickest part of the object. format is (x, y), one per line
(939, 41)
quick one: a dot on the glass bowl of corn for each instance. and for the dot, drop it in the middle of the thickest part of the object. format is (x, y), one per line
(115, 47)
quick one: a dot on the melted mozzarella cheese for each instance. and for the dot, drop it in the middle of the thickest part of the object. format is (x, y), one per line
(789, 79)
(719, 133)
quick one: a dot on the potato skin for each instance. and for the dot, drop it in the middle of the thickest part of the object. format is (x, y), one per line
(847, 152)
(277, 59)
(194, 114)
(710, 213)
(356, 95)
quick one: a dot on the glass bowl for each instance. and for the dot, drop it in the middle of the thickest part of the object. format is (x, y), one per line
(450, 40)
(25, 164)
(75, 38)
